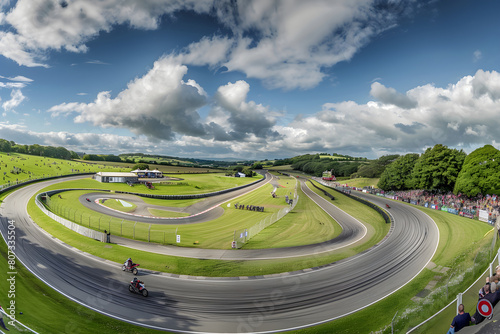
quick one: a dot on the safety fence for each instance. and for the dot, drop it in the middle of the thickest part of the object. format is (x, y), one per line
(469, 297)
(241, 237)
(78, 228)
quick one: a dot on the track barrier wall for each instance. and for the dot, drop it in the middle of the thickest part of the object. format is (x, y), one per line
(88, 232)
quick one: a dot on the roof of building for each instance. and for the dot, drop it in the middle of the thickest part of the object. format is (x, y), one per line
(117, 174)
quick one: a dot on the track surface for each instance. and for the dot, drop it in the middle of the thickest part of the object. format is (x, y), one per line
(233, 304)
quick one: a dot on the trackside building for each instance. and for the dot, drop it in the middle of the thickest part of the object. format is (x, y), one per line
(116, 177)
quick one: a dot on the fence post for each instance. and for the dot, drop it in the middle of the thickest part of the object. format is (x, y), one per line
(121, 228)
(459, 300)
(149, 233)
(392, 322)
(134, 231)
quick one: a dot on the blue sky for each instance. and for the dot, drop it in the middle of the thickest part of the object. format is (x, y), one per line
(250, 79)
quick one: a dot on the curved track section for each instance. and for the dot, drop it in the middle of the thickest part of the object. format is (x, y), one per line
(228, 305)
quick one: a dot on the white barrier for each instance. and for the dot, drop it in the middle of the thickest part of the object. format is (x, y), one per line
(100, 236)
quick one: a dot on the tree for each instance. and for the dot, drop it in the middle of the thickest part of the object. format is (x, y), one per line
(375, 168)
(141, 166)
(437, 168)
(397, 176)
(257, 165)
(480, 173)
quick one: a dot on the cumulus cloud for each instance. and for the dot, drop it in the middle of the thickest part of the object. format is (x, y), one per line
(158, 105)
(16, 97)
(287, 44)
(242, 119)
(464, 114)
(40, 25)
(390, 96)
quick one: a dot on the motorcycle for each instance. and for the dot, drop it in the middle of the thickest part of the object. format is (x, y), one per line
(141, 288)
(387, 205)
(88, 200)
(133, 268)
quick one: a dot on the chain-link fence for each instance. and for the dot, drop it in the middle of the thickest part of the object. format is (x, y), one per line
(241, 237)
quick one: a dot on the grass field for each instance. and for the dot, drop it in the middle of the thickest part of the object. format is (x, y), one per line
(18, 167)
(164, 168)
(118, 205)
(360, 182)
(307, 223)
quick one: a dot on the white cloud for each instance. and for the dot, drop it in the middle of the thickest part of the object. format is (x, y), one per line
(16, 97)
(477, 55)
(42, 25)
(19, 78)
(463, 115)
(391, 96)
(287, 44)
(159, 104)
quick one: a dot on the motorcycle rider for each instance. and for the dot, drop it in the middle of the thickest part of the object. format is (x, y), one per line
(129, 263)
(136, 283)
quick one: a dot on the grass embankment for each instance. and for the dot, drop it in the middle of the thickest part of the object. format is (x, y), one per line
(19, 167)
(167, 214)
(360, 182)
(116, 204)
(306, 224)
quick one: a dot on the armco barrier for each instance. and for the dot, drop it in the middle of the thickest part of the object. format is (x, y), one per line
(387, 218)
(69, 224)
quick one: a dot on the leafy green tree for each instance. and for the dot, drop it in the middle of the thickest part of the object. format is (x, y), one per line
(437, 168)
(257, 165)
(397, 176)
(480, 173)
(141, 166)
(375, 168)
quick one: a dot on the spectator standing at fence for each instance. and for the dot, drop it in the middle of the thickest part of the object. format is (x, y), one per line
(461, 320)
(491, 297)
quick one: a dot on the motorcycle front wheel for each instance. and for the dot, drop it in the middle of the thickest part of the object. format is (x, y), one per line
(130, 288)
(135, 271)
(145, 292)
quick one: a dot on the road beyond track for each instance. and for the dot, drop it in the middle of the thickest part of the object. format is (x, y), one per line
(228, 305)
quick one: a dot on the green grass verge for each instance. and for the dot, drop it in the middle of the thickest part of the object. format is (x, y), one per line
(361, 182)
(307, 223)
(46, 311)
(115, 205)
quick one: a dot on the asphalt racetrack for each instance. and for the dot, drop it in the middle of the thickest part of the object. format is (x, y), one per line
(228, 305)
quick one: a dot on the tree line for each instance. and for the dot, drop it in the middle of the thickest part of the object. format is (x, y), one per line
(35, 149)
(442, 169)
